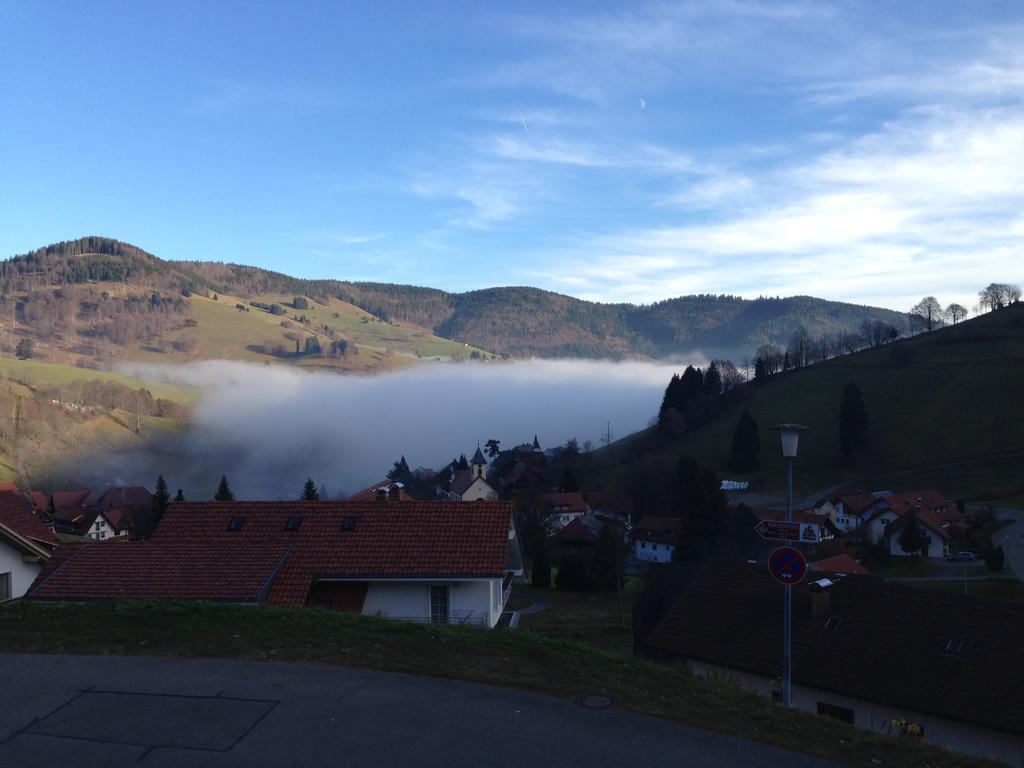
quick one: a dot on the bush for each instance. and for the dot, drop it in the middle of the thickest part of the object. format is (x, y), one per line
(995, 559)
(300, 302)
(541, 575)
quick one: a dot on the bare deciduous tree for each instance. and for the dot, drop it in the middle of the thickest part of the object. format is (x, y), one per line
(955, 313)
(926, 314)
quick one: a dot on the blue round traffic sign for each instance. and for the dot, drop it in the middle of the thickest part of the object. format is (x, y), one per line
(787, 565)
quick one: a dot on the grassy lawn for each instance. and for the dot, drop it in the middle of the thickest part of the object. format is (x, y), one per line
(36, 374)
(907, 568)
(593, 618)
(527, 660)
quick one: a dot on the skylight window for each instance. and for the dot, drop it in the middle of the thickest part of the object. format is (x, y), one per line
(349, 523)
(236, 523)
(955, 646)
(293, 523)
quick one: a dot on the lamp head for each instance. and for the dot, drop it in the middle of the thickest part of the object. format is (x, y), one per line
(790, 434)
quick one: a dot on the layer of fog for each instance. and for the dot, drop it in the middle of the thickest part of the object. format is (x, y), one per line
(269, 427)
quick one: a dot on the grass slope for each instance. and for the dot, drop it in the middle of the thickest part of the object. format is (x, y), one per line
(942, 408)
(36, 373)
(520, 659)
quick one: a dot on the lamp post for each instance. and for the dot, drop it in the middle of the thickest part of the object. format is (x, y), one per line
(790, 434)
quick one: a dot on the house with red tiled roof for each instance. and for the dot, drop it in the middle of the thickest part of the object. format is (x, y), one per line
(428, 561)
(73, 512)
(866, 651)
(25, 545)
(655, 538)
(935, 538)
(560, 509)
(935, 512)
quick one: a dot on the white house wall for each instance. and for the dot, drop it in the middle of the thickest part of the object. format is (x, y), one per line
(950, 734)
(22, 573)
(476, 600)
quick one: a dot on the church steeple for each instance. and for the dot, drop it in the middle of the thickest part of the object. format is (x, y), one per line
(478, 462)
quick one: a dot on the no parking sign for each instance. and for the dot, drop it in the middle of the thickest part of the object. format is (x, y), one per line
(787, 565)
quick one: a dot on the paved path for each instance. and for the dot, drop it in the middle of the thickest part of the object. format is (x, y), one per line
(113, 711)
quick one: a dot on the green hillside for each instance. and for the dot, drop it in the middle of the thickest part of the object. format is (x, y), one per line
(89, 286)
(96, 301)
(943, 411)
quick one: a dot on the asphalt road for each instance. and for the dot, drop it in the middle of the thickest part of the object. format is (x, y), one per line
(111, 711)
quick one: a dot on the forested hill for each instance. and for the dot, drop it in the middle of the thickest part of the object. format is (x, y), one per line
(516, 321)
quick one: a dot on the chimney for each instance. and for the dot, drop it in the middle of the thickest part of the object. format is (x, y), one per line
(821, 598)
(395, 493)
(381, 494)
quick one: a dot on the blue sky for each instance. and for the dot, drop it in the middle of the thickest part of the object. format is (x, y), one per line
(868, 152)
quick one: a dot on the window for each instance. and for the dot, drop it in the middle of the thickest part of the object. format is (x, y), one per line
(836, 713)
(439, 605)
(236, 523)
(349, 523)
(97, 525)
(103, 535)
(5, 586)
(643, 545)
(293, 523)
(955, 646)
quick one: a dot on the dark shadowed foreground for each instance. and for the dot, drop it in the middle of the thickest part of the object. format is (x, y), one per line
(109, 711)
(551, 731)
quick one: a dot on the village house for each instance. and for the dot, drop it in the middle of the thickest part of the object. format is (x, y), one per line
(437, 562)
(867, 516)
(655, 538)
(26, 543)
(385, 489)
(872, 653)
(560, 509)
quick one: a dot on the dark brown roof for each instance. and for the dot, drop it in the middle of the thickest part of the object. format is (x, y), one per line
(926, 520)
(384, 487)
(16, 514)
(664, 530)
(130, 497)
(895, 644)
(193, 554)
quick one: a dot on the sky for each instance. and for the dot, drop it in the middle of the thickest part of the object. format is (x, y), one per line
(864, 152)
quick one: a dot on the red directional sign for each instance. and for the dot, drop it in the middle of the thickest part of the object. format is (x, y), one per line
(787, 565)
(779, 530)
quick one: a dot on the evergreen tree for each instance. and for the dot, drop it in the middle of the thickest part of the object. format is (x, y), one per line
(911, 538)
(463, 462)
(25, 349)
(224, 490)
(309, 491)
(853, 422)
(712, 381)
(492, 448)
(401, 473)
(161, 498)
(760, 370)
(995, 559)
(180, 495)
(692, 381)
(536, 443)
(746, 444)
(670, 399)
(567, 483)
(699, 500)
(541, 575)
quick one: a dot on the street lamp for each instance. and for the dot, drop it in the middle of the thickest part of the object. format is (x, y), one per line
(790, 434)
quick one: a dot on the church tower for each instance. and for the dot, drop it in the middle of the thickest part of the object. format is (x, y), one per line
(479, 463)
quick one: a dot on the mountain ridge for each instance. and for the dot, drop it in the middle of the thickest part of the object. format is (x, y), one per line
(515, 321)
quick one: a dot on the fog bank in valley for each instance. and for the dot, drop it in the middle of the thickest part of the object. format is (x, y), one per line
(270, 427)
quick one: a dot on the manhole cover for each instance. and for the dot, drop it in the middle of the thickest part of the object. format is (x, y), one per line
(596, 701)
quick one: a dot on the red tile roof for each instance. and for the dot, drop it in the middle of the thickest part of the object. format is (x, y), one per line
(575, 530)
(890, 647)
(840, 564)
(16, 515)
(71, 506)
(924, 518)
(194, 555)
(856, 503)
(130, 497)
